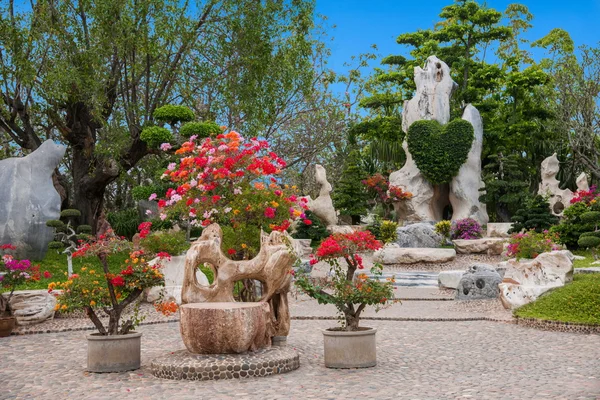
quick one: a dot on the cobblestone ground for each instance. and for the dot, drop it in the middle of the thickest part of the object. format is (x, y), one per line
(416, 360)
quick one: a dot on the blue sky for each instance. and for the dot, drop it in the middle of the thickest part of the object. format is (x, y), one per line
(361, 23)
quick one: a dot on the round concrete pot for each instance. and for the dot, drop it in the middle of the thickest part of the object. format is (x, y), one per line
(7, 324)
(355, 349)
(115, 353)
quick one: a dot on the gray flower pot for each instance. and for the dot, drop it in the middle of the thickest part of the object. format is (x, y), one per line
(356, 349)
(115, 353)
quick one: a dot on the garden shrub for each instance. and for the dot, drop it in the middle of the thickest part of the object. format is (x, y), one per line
(154, 136)
(440, 150)
(70, 213)
(241, 242)
(173, 243)
(315, 230)
(350, 195)
(124, 222)
(375, 228)
(466, 228)
(591, 240)
(388, 231)
(536, 215)
(443, 228)
(85, 229)
(200, 129)
(530, 244)
(143, 192)
(572, 226)
(173, 114)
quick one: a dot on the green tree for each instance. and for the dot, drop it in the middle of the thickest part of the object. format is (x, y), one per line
(535, 215)
(349, 195)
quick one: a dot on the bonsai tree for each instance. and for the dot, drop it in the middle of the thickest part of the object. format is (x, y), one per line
(350, 196)
(13, 273)
(108, 291)
(536, 215)
(350, 294)
(66, 237)
(591, 240)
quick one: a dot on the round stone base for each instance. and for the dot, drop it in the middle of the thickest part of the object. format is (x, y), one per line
(182, 364)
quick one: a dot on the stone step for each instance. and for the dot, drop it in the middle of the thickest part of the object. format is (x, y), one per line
(408, 279)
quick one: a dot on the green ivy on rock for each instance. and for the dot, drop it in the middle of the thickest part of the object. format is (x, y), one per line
(440, 150)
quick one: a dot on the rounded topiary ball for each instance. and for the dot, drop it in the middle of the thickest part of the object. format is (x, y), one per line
(154, 136)
(588, 241)
(54, 223)
(173, 114)
(591, 217)
(70, 213)
(84, 229)
(55, 245)
(202, 129)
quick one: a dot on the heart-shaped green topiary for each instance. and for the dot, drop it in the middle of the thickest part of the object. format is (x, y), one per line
(440, 150)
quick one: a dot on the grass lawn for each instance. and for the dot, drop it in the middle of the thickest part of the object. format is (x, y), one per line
(589, 259)
(56, 264)
(578, 302)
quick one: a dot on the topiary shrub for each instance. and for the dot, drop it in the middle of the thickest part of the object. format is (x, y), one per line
(154, 136)
(572, 227)
(536, 216)
(70, 213)
(375, 228)
(55, 245)
(315, 230)
(173, 114)
(440, 150)
(201, 129)
(591, 240)
(55, 223)
(86, 229)
(350, 195)
(388, 231)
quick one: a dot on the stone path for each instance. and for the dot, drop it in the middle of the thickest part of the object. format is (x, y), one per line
(416, 360)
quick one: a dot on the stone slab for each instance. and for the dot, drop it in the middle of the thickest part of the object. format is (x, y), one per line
(183, 365)
(491, 246)
(393, 254)
(450, 279)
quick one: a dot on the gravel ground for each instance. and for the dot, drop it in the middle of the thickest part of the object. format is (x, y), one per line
(416, 360)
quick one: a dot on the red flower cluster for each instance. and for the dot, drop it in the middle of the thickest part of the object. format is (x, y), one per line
(118, 281)
(586, 196)
(144, 229)
(347, 245)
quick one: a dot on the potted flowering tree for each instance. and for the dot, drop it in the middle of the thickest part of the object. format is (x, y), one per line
(350, 345)
(114, 347)
(13, 273)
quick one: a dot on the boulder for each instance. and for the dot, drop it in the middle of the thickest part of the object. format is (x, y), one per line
(394, 254)
(525, 281)
(418, 235)
(558, 198)
(32, 306)
(450, 279)
(173, 271)
(302, 247)
(479, 282)
(498, 229)
(28, 200)
(464, 187)
(491, 246)
(343, 229)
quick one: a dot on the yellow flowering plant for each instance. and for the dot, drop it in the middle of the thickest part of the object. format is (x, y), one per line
(93, 290)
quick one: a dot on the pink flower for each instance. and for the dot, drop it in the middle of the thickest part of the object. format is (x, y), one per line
(47, 274)
(166, 146)
(153, 196)
(270, 212)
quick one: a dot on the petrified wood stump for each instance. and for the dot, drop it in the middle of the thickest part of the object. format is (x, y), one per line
(272, 267)
(225, 328)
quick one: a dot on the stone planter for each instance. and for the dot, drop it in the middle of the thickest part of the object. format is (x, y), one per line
(7, 324)
(115, 353)
(356, 349)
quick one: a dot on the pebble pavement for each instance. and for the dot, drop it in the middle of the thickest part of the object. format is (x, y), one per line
(416, 360)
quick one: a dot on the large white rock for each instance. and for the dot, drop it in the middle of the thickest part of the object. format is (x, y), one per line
(322, 206)
(558, 198)
(450, 279)
(173, 271)
(394, 254)
(32, 306)
(28, 199)
(464, 187)
(499, 229)
(418, 235)
(432, 102)
(491, 246)
(525, 281)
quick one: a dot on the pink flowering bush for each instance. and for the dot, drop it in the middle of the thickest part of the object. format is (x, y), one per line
(350, 294)
(466, 228)
(530, 244)
(588, 197)
(14, 272)
(234, 182)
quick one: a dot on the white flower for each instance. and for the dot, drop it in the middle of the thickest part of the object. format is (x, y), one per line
(175, 197)
(193, 183)
(237, 190)
(148, 212)
(227, 209)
